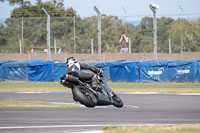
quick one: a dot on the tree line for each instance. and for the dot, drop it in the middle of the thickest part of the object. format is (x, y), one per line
(63, 21)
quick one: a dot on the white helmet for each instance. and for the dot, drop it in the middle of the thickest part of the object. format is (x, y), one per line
(72, 64)
(70, 61)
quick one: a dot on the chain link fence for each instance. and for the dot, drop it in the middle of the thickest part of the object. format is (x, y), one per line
(80, 35)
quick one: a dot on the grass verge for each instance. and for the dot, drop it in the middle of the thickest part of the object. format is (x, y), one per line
(14, 103)
(156, 87)
(32, 87)
(183, 128)
(115, 86)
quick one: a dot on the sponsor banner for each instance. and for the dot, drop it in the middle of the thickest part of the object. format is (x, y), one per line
(182, 71)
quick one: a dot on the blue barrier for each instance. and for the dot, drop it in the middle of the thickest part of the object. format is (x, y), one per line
(197, 70)
(16, 70)
(126, 71)
(1, 68)
(153, 71)
(156, 71)
(35, 70)
(40, 71)
(182, 71)
(59, 68)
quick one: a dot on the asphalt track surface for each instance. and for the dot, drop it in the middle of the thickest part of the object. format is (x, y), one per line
(139, 109)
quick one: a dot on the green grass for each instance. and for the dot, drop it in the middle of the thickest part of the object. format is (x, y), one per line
(156, 87)
(189, 128)
(32, 87)
(115, 86)
(14, 103)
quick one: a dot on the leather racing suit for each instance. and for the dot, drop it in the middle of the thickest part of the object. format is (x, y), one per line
(85, 72)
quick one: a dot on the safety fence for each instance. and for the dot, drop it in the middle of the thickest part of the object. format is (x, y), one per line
(116, 71)
(175, 34)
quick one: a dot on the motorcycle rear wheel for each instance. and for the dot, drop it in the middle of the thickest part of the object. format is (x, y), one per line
(84, 96)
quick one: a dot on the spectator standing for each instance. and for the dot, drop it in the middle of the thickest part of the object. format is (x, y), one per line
(124, 43)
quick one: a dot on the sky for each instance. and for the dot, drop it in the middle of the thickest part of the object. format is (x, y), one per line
(134, 9)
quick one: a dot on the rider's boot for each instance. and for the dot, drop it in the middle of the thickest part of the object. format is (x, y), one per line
(95, 84)
(112, 93)
(97, 87)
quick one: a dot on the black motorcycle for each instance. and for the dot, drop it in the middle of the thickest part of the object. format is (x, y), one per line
(82, 92)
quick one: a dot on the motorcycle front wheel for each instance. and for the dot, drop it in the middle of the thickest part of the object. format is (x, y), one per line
(84, 96)
(117, 102)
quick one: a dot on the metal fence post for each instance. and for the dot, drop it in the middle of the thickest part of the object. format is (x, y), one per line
(92, 47)
(48, 34)
(74, 34)
(20, 46)
(155, 35)
(181, 31)
(99, 32)
(170, 46)
(99, 35)
(129, 46)
(55, 49)
(22, 33)
(153, 9)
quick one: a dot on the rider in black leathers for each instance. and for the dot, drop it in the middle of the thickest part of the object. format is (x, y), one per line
(81, 70)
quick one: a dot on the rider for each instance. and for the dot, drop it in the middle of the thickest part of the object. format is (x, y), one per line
(77, 69)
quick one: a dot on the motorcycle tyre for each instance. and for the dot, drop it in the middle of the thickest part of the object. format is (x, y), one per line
(78, 92)
(117, 103)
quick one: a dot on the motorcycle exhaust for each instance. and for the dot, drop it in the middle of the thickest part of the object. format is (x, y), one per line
(71, 78)
(75, 80)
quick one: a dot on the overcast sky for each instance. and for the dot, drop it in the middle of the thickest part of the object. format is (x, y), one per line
(132, 8)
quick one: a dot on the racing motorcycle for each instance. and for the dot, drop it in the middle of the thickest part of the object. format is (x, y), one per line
(83, 93)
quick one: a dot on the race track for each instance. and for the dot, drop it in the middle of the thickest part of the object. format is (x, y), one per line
(139, 109)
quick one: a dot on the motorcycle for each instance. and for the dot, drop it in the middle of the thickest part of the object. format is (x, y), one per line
(83, 93)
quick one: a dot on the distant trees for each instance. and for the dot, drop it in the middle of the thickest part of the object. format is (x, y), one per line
(34, 24)
(143, 35)
(190, 35)
(19, 2)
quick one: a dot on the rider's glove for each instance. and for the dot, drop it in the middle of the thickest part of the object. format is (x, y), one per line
(62, 79)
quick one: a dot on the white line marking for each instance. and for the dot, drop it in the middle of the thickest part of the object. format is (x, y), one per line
(131, 106)
(97, 131)
(57, 126)
(108, 106)
(76, 126)
(159, 93)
